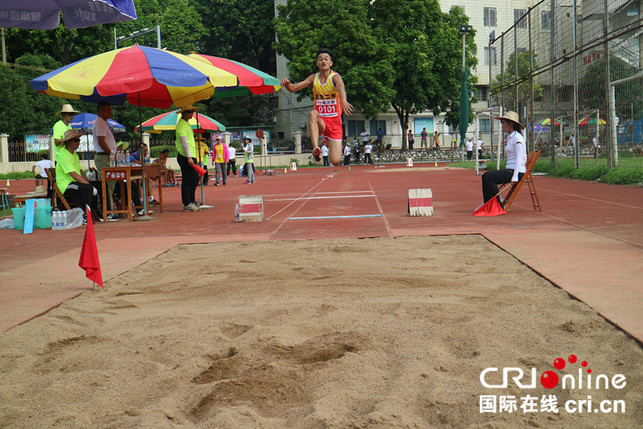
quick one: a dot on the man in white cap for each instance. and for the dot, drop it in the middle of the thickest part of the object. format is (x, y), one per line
(104, 145)
(67, 114)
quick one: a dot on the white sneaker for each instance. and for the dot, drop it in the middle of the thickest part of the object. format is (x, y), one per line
(191, 208)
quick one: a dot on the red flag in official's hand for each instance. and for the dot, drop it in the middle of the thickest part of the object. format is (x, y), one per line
(89, 253)
(490, 208)
(198, 169)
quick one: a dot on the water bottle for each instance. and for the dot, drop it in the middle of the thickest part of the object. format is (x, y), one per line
(54, 220)
(65, 220)
(112, 159)
(126, 162)
(236, 212)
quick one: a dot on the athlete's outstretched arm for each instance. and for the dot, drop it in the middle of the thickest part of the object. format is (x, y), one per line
(339, 84)
(294, 87)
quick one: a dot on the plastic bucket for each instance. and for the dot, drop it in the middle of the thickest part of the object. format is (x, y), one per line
(42, 217)
(19, 217)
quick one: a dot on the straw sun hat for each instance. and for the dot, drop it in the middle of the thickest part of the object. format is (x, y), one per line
(511, 116)
(70, 134)
(68, 109)
(189, 108)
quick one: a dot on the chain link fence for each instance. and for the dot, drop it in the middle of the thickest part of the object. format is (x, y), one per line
(572, 70)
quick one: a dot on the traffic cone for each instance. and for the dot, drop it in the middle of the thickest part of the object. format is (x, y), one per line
(349, 168)
(285, 170)
(436, 163)
(8, 182)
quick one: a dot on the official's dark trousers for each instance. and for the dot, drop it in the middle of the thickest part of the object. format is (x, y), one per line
(189, 181)
(491, 180)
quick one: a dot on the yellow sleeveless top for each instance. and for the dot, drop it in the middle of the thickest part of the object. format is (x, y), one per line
(326, 97)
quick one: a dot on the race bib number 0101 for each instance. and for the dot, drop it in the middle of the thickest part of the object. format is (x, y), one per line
(327, 108)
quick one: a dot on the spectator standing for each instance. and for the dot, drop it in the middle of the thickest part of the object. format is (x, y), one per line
(249, 150)
(411, 140)
(221, 158)
(423, 139)
(454, 140)
(480, 145)
(347, 154)
(324, 152)
(364, 136)
(368, 148)
(469, 149)
(232, 160)
(380, 137)
(436, 140)
(186, 147)
(66, 114)
(104, 146)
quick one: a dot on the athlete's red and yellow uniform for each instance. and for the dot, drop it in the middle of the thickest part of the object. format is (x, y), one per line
(329, 105)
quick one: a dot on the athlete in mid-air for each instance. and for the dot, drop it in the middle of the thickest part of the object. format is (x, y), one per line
(329, 96)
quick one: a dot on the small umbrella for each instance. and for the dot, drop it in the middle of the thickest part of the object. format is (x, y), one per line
(591, 120)
(167, 122)
(250, 79)
(85, 122)
(45, 14)
(547, 121)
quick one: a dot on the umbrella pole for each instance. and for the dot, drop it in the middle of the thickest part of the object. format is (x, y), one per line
(145, 217)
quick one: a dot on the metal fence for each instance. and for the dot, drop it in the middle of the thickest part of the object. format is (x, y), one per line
(572, 70)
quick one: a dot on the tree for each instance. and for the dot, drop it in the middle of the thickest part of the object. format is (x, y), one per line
(522, 79)
(628, 95)
(403, 55)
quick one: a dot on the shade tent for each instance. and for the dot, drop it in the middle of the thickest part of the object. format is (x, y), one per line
(167, 122)
(45, 14)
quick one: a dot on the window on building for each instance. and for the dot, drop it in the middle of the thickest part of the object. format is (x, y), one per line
(376, 125)
(489, 56)
(490, 17)
(545, 20)
(519, 13)
(485, 125)
(483, 93)
(355, 128)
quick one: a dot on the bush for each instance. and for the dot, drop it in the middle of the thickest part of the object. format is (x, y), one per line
(623, 176)
(17, 175)
(589, 173)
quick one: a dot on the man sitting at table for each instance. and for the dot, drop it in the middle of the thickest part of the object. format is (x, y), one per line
(71, 178)
(167, 173)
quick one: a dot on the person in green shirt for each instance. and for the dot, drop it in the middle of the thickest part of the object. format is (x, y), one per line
(186, 158)
(67, 114)
(71, 178)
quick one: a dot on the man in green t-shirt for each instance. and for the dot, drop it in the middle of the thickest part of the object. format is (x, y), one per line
(67, 114)
(70, 177)
(186, 158)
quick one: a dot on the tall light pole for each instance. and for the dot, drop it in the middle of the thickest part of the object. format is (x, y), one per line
(138, 33)
(464, 29)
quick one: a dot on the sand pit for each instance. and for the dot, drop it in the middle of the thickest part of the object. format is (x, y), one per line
(372, 333)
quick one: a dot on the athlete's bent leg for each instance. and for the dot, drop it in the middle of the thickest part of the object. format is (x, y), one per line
(315, 127)
(335, 151)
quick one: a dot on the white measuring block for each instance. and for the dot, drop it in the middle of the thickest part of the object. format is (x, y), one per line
(420, 202)
(409, 162)
(251, 208)
(293, 166)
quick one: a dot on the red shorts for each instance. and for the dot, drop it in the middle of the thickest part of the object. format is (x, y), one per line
(332, 128)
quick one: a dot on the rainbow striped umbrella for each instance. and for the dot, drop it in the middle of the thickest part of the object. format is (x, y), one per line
(250, 79)
(591, 120)
(167, 122)
(547, 122)
(141, 75)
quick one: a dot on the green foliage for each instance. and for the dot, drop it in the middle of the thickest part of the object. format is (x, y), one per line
(628, 95)
(15, 175)
(390, 53)
(589, 173)
(623, 176)
(522, 77)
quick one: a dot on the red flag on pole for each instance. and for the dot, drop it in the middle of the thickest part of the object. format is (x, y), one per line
(198, 169)
(89, 253)
(490, 208)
